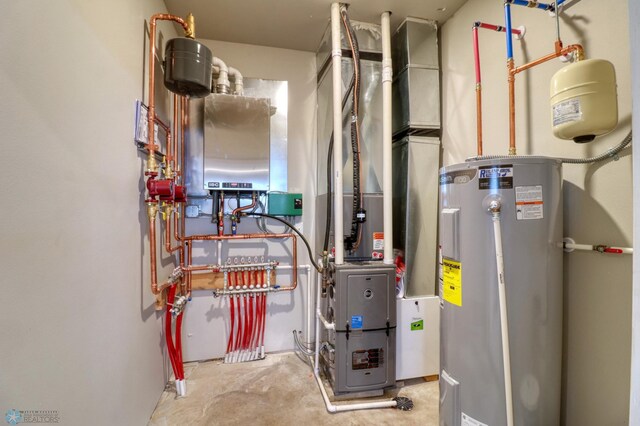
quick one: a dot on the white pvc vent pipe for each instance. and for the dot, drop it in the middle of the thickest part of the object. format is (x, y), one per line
(387, 195)
(336, 55)
(222, 84)
(238, 84)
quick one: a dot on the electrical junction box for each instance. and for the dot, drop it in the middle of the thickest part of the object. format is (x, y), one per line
(285, 204)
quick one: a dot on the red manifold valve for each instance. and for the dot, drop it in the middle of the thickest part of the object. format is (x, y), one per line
(162, 188)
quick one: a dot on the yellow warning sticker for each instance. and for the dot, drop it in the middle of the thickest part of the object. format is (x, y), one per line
(452, 281)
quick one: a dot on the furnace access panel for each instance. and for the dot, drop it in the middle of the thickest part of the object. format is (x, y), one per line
(236, 143)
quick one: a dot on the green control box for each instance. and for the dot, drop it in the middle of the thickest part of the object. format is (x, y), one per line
(285, 204)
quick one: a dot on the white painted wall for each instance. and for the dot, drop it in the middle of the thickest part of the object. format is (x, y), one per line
(79, 331)
(207, 319)
(598, 202)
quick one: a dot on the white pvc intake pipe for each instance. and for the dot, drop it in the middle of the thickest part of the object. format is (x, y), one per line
(238, 85)
(504, 323)
(387, 195)
(336, 54)
(223, 75)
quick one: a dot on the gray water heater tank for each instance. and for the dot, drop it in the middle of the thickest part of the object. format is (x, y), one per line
(471, 371)
(187, 68)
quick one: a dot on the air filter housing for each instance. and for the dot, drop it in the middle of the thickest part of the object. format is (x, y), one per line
(187, 67)
(584, 103)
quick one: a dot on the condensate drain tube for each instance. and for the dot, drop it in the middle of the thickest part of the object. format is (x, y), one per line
(494, 209)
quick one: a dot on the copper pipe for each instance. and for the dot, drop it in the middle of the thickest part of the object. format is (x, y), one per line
(152, 211)
(184, 119)
(167, 233)
(294, 248)
(221, 214)
(250, 206)
(479, 117)
(152, 65)
(152, 167)
(559, 51)
(212, 268)
(210, 237)
(189, 246)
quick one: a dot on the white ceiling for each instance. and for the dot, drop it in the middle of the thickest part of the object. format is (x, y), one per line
(295, 24)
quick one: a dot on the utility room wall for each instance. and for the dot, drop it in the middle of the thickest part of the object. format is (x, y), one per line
(80, 334)
(597, 198)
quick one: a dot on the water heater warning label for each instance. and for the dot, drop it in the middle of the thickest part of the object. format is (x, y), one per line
(452, 281)
(529, 202)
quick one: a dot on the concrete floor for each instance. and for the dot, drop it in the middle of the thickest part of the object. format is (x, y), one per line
(279, 390)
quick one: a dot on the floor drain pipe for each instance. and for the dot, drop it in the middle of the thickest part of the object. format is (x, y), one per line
(494, 208)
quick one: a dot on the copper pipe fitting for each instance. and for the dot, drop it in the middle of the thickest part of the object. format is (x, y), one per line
(169, 210)
(250, 206)
(151, 164)
(559, 51)
(152, 211)
(294, 249)
(479, 117)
